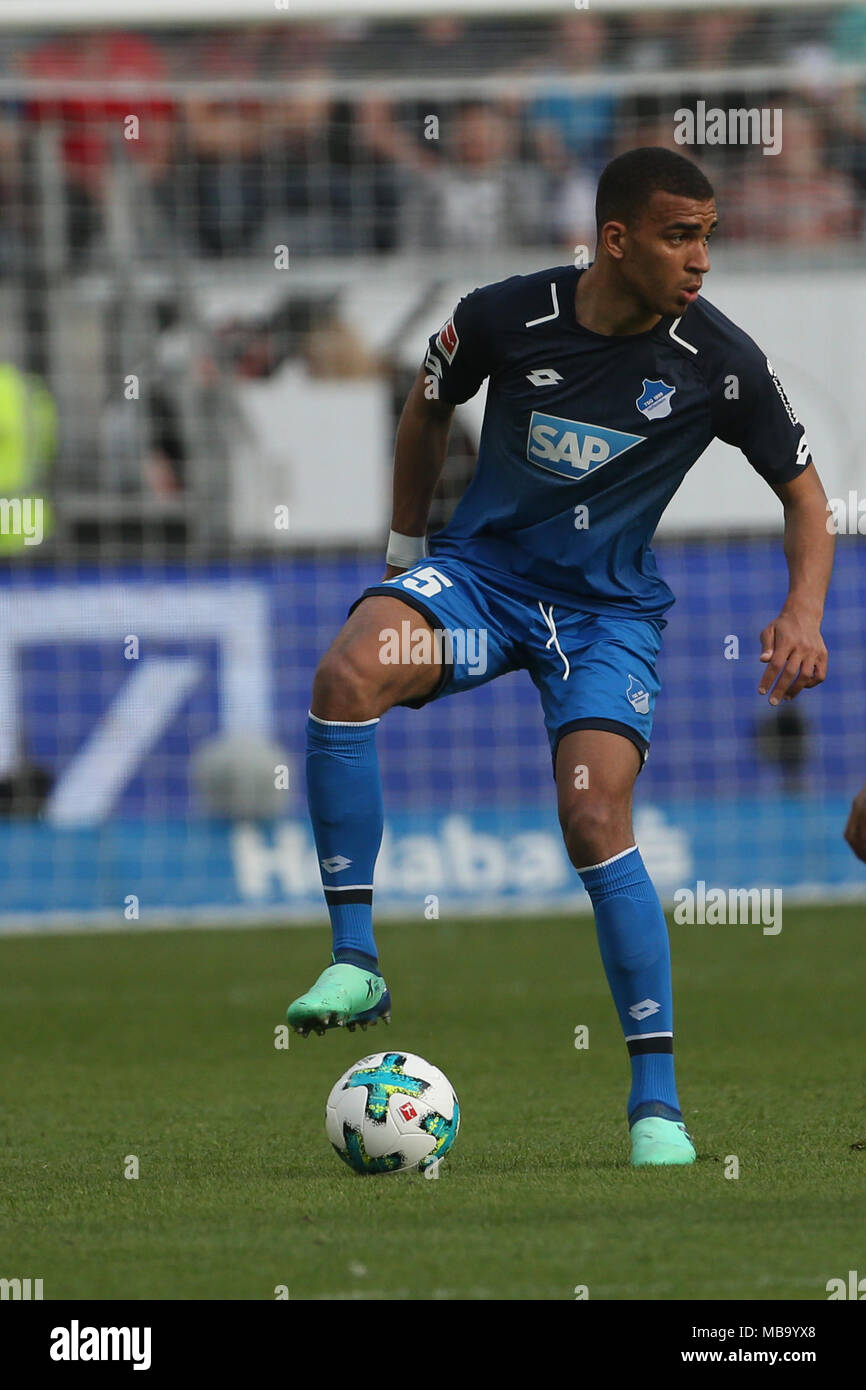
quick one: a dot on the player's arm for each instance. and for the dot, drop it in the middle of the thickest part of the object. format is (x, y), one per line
(792, 645)
(459, 357)
(759, 419)
(419, 457)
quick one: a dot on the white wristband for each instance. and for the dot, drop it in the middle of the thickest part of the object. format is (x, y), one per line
(405, 551)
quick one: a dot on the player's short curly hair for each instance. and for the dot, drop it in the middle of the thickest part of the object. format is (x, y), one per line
(629, 181)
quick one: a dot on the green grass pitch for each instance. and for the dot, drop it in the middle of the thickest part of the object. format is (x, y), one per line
(161, 1046)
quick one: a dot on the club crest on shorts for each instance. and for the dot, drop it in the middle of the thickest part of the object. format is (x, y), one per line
(655, 400)
(637, 696)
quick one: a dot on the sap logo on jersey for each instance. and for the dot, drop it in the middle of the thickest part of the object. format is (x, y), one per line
(572, 446)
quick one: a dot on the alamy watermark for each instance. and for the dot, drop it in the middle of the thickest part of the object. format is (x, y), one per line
(720, 906)
(77, 1343)
(22, 516)
(20, 1289)
(854, 1287)
(463, 646)
(738, 126)
(846, 516)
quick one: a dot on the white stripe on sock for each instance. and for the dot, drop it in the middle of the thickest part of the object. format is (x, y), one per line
(632, 1037)
(343, 723)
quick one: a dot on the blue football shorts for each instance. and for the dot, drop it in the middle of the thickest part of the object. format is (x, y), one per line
(592, 671)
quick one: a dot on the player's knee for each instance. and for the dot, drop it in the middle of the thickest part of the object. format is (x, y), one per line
(347, 686)
(591, 826)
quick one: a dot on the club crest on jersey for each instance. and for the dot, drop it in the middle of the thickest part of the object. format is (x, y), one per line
(655, 400)
(573, 448)
(447, 340)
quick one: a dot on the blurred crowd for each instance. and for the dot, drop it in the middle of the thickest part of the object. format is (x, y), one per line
(236, 154)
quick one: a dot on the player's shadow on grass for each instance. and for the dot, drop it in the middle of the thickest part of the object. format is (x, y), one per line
(622, 1165)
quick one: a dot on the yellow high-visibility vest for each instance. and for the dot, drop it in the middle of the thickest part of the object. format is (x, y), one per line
(28, 441)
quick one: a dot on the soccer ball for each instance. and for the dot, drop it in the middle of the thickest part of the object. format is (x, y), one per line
(392, 1111)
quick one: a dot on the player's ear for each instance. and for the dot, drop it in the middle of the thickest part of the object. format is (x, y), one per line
(612, 238)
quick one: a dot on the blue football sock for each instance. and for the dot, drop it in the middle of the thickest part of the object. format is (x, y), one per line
(635, 952)
(344, 794)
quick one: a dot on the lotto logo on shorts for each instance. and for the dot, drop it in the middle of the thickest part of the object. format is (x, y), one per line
(448, 341)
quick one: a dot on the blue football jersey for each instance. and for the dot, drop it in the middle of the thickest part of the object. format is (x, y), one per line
(587, 437)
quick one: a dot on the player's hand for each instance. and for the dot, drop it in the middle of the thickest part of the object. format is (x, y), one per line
(391, 571)
(855, 830)
(796, 657)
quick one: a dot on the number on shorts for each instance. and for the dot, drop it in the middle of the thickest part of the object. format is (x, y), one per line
(427, 582)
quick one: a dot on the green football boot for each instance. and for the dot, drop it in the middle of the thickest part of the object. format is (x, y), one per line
(658, 1141)
(342, 997)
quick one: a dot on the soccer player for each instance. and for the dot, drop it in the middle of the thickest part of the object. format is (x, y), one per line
(606, 384)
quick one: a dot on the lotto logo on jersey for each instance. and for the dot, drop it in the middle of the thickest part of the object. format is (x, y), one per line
(573, 448)
(447, 340)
